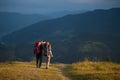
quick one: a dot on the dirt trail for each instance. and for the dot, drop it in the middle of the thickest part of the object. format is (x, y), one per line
(62, 72)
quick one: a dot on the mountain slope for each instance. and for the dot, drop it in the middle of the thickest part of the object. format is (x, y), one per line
(94, 34)
(63, 13)
(98, 21)
(13, 21)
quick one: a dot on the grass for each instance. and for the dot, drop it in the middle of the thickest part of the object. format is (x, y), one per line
(94, 71)
(28, 71)
(77, 71)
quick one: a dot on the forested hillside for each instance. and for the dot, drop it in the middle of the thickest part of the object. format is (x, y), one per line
(94, 34)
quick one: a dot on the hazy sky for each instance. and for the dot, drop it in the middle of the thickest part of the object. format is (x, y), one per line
(48, 6)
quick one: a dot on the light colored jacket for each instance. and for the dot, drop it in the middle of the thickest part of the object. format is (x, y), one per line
(47, 50)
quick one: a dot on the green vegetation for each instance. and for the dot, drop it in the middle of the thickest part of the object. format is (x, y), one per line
(94, 34)
(94, 71)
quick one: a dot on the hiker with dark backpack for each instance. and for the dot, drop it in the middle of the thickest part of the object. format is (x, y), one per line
(38, 50)
(47, 52)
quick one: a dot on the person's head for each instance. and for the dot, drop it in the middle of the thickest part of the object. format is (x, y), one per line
(43, 42)
(47, 43)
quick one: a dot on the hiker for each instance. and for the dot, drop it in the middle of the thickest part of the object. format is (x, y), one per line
(38, 50)
(47, 52)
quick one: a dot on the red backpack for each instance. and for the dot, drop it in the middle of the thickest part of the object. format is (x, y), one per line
(37, 47)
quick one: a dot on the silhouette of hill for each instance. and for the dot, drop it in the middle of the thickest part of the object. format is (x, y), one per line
(10, 22)
(94, 34)
(64, 13)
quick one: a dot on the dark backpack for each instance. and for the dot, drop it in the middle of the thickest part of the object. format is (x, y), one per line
(38, 47)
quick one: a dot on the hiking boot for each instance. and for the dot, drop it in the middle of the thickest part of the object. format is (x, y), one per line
(47, 67)
(39, 67)
(36, 66)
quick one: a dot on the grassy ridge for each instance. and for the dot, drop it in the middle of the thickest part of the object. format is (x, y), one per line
(94, 71)
(77, 71)
(28, 71)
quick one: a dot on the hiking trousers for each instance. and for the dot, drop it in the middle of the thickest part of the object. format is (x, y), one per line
(47, 61)
(38, 60)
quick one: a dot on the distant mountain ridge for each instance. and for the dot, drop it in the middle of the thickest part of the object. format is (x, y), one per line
(94, 34)
(98, 21)
(64, 13)
(10, 21)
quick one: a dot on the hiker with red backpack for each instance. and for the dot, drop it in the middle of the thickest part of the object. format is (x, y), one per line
(47, 52)
(38, 50)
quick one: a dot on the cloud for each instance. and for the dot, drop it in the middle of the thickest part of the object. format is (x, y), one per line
(84, 1)
(93, 1)
(54, 5)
